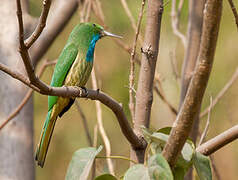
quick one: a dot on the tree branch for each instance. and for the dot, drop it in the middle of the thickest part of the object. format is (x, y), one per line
(43, 88)
(193, 99)
(27, 96)
(221, 93)
(83, 93)
(175, 22)
(233, 8)
(144, 95)
(41, 25)
(219, 141)
(132, 63)
(100, 126)
(63, 10)
(85, 124)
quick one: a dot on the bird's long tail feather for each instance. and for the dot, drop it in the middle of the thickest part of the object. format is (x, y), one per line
(45, 139)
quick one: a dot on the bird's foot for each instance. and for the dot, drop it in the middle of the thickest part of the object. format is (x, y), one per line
(98, 90)
(85, 90)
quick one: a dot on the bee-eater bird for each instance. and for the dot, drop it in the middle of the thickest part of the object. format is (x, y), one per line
(73, 68)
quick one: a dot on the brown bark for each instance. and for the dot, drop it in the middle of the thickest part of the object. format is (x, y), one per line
(219, 141)
(194, 38)
(194, 96)
(144, 95)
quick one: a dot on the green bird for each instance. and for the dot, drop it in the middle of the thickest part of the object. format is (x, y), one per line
(73, 68)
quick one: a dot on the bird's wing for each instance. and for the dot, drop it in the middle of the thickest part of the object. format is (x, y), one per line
(64, 63)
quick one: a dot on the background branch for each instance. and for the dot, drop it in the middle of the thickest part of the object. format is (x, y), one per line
(221, 93)
(85, 124)
(100, 126)
(233, 8)
(190, 108)
(132, 63)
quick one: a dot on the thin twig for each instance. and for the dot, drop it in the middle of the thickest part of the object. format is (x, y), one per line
(95, 139)
(233, 8)
(132, 63)
(180, 6)
(214, 167)
(100, 126)
(87, 16)
(164, 99)
(83, 11)
(41, 25)
(175, 23)
(18, 109)
(85, 123)
(95, 135)
(207, 124)
(221, 93)
(129, 14)
(174, 66)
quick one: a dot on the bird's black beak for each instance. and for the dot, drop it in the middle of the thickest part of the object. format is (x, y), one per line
(105, 33)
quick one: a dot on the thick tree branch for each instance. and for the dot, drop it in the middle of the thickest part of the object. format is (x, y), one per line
(194, 39)
(219, 141)
(193, 99)
(144, 94)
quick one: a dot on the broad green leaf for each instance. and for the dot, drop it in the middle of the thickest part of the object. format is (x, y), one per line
(106, 177)
(179, 173)
(203, 166)
(165, 130)
(81, 163)
(137, 172)
(158, 140)
(159, 168)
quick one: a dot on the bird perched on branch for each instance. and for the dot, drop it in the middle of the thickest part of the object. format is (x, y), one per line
(73, 68)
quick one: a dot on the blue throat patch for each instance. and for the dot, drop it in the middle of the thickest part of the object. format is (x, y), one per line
(90, 52)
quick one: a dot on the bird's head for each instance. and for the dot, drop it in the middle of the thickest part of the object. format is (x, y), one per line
(99, 30)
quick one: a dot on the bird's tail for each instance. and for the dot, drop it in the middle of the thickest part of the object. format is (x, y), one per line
(46, 134)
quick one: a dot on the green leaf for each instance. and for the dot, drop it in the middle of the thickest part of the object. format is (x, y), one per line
(203, 166)
(179, 173)
(106, 177)
(158, 140)
(159, 168)
(137, 172)
(81, 163)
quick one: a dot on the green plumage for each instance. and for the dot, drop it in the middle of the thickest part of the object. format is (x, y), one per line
(73, 68)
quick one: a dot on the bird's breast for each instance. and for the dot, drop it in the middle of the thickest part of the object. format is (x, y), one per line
(79, 73)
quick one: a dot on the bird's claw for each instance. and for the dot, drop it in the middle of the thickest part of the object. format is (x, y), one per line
(98, 90)
(86, 91)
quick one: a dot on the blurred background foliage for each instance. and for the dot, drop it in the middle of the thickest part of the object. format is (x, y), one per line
(112, 69)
